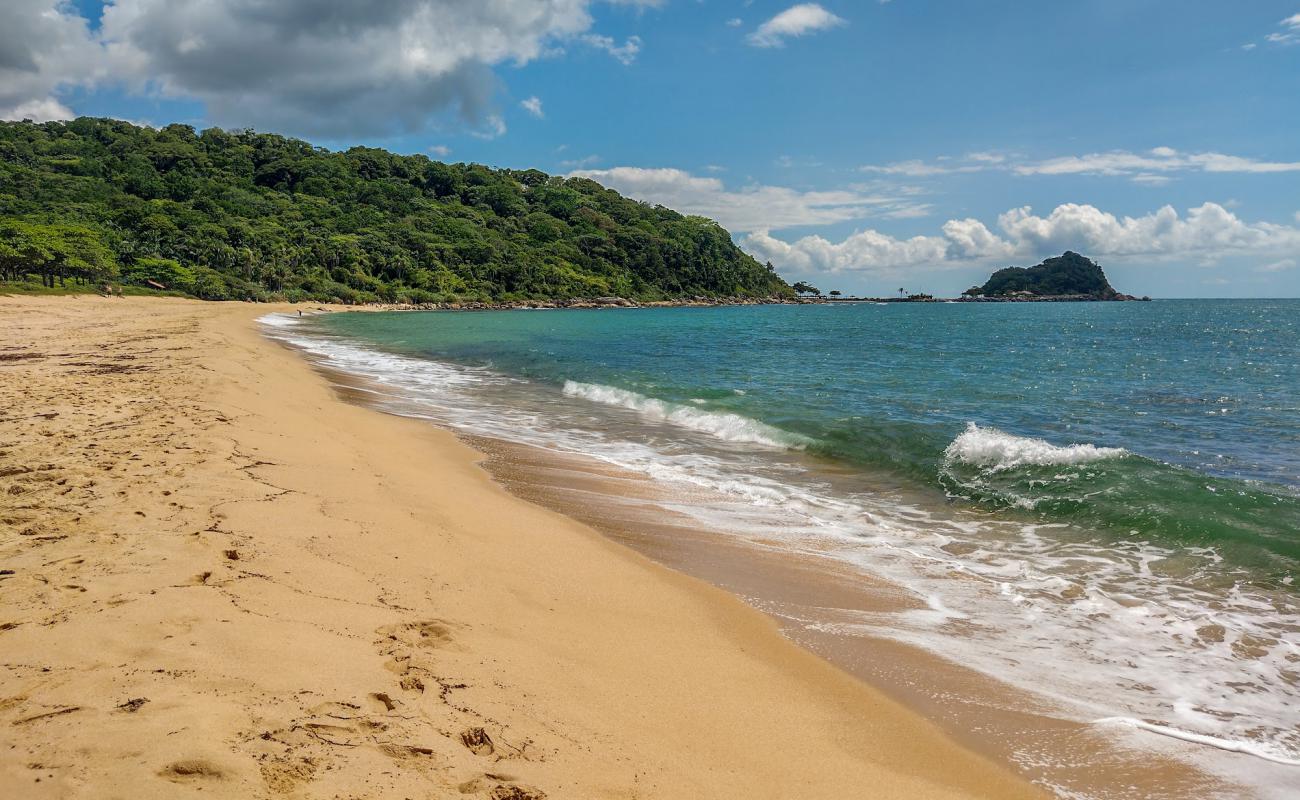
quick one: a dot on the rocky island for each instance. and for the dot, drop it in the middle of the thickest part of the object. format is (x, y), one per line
(1067, 277)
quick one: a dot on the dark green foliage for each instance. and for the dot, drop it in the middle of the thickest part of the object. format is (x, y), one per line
(243, 215)
(54, 252)
(1068, 274)
(806, 288)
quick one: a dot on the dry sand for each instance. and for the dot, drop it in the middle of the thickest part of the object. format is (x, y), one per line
(219, 580)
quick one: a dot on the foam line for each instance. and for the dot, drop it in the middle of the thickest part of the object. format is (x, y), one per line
(1246, 748)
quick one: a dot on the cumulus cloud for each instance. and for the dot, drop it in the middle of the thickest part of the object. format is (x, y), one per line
(44, 46)
(303, 66)
(43, 110)
(797, 20)
(1208, 231)
(751, 208)
(332, 68)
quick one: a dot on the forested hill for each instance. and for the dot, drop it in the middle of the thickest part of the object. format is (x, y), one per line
(1065, 275)
(245, 215)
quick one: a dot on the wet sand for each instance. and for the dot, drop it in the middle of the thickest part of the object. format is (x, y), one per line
(820, 601)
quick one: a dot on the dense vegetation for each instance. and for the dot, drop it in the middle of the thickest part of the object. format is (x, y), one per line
(1067, 274)
(244, 215)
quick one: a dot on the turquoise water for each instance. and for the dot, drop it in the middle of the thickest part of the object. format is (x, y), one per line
(1097, 502)
(1204, 396)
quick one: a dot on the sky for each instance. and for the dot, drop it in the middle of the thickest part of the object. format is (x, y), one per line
(860, 145)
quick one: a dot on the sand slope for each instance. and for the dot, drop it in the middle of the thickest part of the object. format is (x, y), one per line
(219, 580)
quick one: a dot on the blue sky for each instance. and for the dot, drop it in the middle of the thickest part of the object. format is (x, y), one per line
(857, 144)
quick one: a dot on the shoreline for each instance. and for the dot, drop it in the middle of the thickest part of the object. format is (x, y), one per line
(223, 579)
(578, 476)
(814, 597)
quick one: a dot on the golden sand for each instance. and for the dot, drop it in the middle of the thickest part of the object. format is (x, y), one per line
(219, 580)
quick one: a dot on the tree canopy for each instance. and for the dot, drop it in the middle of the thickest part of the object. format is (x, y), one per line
(244, 215)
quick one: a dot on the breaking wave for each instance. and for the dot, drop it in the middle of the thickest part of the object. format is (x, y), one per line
(724, 425)
(994, 450)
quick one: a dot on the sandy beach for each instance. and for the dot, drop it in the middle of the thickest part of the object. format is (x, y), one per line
(217, 579)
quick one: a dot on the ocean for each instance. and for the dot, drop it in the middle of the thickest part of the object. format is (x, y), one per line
(1097, 504)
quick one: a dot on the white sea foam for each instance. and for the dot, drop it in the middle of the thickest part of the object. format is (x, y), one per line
(724, 425)
(278, 320)
(1230, 745)
(995, 450)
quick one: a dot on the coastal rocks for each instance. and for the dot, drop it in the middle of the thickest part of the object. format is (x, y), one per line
(1054, 298)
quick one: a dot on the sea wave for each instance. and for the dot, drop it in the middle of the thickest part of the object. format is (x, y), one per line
(722, 424)
(278, 320)
(997, 451)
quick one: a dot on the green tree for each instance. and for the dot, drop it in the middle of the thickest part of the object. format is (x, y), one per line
(249, 215)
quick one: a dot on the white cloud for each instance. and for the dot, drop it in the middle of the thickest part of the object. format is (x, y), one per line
(1206, 232)
(751, 208)
(493, 126)
(797, 20)
(45, 46)
(735, 22)
(624, 53)
(1150, 179)
(301, 66)
(1160, 159)
(1151, 167)
(921, 169)
(439, 150)
(43, 110)
(1289, 33)
(533, 105)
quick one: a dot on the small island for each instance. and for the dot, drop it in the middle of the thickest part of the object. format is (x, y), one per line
(1067, 277)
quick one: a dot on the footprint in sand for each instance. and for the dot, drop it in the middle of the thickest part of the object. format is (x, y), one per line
(191, 769)
(403, 642)
(424, 633)
(478, 741)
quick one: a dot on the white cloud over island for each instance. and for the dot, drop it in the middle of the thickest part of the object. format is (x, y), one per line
(1204, 233)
